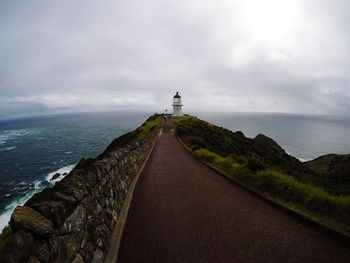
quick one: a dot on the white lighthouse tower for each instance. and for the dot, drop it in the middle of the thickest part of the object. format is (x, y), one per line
(177, 105)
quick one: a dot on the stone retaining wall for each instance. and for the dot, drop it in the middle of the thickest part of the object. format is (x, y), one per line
(74, 220)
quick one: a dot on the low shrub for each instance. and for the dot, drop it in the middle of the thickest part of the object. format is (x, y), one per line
(237, 158)
(180, 131)
(206, 155)
(225, 165)
(255, 164)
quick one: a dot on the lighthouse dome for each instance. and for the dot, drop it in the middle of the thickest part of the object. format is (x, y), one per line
(177, 96)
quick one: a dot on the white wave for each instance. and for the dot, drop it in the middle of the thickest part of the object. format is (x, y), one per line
(8, 148)
(6, 135)
(37, 184)
(62, 173)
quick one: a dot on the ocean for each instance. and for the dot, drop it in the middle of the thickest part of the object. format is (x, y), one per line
(33, 150)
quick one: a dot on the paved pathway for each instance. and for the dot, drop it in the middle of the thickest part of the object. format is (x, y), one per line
(182, 211)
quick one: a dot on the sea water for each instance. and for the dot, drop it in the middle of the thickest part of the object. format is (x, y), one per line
(33, 150)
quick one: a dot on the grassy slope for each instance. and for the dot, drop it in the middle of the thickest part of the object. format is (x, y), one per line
(224, 150)
(334, 171)
(155, 121)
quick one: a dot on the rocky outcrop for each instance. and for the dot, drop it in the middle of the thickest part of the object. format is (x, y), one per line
(74, 220)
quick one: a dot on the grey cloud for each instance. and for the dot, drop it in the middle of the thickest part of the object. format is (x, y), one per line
(72, 56)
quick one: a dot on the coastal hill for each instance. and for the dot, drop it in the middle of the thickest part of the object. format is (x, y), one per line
(74, 221)
(330, 172)
(318, 188)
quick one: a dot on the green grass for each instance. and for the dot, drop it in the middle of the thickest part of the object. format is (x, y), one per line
(6, 232)
(178, 120)
(153, 122)
(268, 180)
(146, 128)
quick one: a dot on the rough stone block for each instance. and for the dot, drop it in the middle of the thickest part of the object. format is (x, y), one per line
(90, 178)
(19, 246)
(69, 245)
(75, 191)
(67, 200)
(33, 260)
(78, 259)
(87, 251)
(98, 256)
(30, 220)
(76, 221)
(41, 251)
(53, 210)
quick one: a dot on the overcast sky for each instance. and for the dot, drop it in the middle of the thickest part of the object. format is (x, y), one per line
(223, 55)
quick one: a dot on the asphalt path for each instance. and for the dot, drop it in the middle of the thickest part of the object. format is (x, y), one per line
(182, 211)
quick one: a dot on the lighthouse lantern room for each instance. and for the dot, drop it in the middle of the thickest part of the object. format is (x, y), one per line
(177, 105)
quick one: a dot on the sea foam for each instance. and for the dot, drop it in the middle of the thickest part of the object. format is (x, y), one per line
(62, 171)
(6, 135)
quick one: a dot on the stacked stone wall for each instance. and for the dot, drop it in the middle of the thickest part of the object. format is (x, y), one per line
(74, 220)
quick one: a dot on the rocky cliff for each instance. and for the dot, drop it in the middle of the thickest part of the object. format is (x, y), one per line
(74, 220)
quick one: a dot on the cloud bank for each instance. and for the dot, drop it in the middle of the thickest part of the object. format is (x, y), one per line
(279, 56)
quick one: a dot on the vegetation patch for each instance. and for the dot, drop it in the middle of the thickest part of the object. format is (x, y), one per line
(334, 171)
(222, 149)
(153, 122)
(145, 129)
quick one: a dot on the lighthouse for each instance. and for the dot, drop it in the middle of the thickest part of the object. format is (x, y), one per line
(177, 105)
